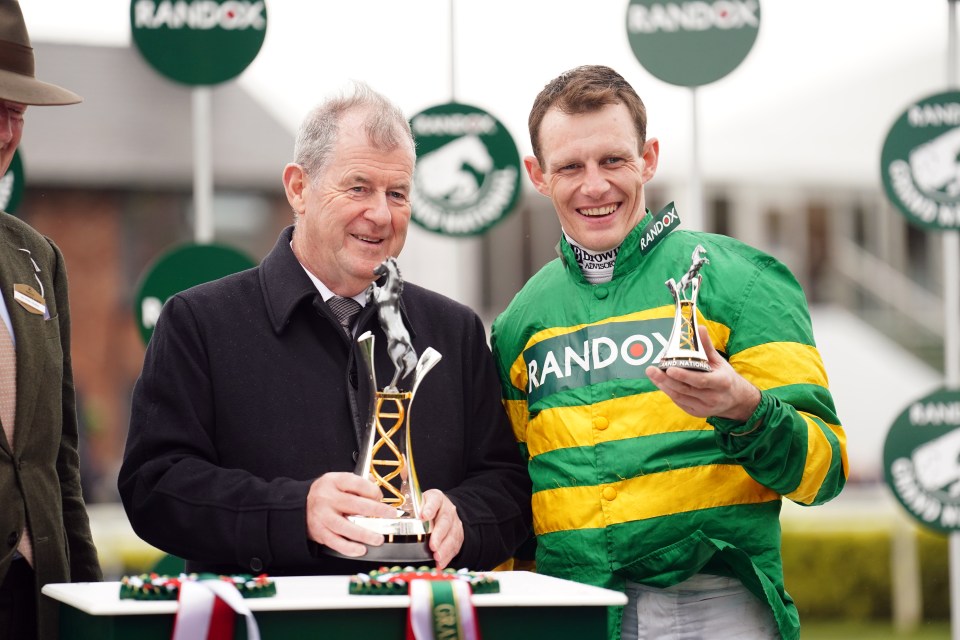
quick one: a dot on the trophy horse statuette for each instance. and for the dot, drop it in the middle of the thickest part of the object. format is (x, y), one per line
(387, 298)
(386, 456)
(684, 348)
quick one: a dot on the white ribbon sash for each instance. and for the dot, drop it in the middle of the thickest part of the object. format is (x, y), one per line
(206, 611)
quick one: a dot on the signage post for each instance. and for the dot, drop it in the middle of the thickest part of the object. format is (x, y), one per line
(919, 153)
(690, 44)
(199, 43)
(921, 465)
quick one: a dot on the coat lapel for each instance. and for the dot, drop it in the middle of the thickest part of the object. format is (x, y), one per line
(16, 267)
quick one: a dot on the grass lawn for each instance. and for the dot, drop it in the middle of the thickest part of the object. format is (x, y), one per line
(812, 630)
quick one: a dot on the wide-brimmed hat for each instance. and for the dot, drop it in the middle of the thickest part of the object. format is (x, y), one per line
(17, 80)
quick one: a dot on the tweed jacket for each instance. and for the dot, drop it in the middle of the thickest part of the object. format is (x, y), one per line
(40, 477)
(250, 391)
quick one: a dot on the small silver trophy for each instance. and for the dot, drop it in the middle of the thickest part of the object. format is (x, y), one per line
(684, 348)
(386, 456)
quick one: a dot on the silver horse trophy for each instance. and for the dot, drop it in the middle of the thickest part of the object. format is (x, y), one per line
(684, 348)
(386, 455)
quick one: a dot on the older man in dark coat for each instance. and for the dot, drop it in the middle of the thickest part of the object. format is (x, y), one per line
(247, 419)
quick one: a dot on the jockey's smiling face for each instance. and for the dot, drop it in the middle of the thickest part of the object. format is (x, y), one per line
(594, 169)
(355, 214)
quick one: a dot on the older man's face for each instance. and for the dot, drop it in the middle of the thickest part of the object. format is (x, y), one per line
(11, 129)
(355, 215)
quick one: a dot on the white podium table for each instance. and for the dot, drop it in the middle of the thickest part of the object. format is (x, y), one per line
(529, 605)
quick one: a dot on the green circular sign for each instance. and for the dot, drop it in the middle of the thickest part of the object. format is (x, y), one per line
(11, 185)
(920, 162)
(177, 270)
(695, 42)
(198, 42)
(468, 170)
(921, 460)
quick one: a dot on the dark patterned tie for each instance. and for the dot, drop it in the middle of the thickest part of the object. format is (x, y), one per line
(346, 309)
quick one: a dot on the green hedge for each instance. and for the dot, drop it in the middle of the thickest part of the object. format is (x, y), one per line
(848, 574)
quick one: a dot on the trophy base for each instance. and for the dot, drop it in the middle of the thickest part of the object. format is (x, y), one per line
(405, 540)
(401, 550)
(693, 364)
(402, 527)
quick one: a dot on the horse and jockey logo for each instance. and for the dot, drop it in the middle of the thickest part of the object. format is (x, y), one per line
(921, 459)
(919, 165)
(454, 173)
(468, 170)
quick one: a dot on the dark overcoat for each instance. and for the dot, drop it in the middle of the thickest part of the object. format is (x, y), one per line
(40, 477)
(250, 391)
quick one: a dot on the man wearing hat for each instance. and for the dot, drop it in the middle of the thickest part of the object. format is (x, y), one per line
(44, 530)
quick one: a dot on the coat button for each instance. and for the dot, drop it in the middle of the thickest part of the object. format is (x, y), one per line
(601, 423)
(13, 538)
(356, 456)
(609, 493)
(256, 564)
(600, 293)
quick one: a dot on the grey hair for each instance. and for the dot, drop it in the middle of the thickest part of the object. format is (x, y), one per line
(384, 123)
